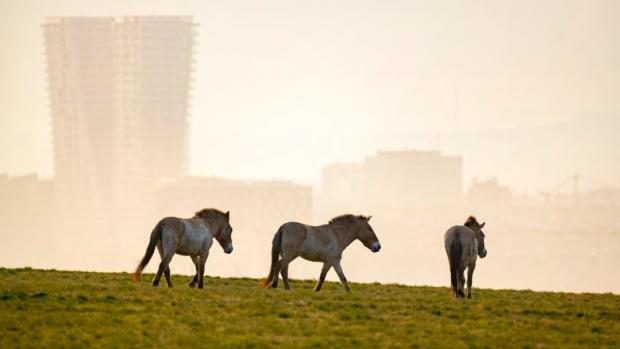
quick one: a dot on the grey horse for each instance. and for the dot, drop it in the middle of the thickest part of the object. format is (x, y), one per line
(463, 244)
(323, 243)
(189, 237)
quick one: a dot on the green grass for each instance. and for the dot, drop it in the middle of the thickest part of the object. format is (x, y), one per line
(78, 309)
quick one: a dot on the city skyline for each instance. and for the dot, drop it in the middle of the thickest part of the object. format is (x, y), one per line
(400, 132)
(409, 92)
(164, 163)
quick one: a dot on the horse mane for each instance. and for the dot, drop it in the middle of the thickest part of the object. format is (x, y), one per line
(347, 219)
(210, 213)
(471, 222)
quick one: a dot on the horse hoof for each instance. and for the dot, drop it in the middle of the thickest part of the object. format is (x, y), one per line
(192, 285)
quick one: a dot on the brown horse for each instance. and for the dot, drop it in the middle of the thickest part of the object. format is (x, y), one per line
(188, 237)
(463, 243)
(323, 243)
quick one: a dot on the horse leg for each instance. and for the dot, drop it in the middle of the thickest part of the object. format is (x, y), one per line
(470, 275)
(160, 249)
(453, 283)
(343, 279)
(457, 292)
(460, 292)
(167, 275)
(284, 272)
(162, 267)
(194, 281)
(274, 283)
(324, 271)
(201, 273)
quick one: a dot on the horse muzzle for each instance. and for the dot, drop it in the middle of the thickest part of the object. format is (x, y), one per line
(483, 253)
(375, 247)
(228, 249)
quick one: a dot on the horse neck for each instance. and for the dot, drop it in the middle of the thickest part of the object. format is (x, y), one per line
(345, 235)
(214, 225)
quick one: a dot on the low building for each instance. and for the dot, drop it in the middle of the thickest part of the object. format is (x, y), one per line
(255, 206)
(25, 204)
(393, 180)
(488, 193)
(413, 178)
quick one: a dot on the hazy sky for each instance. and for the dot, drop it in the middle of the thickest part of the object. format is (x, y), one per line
(525, 90)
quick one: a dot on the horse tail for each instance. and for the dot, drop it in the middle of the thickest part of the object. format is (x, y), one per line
(150, 249)
(276, 248)
(456, 252)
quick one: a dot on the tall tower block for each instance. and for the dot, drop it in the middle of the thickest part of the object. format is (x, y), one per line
(119, 92)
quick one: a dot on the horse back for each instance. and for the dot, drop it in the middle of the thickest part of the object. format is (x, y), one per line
(187, 236)
(172, 224)
(293, 229)
(460, 244)
(311, 242)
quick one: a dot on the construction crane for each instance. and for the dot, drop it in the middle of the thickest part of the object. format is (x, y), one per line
(572, 185)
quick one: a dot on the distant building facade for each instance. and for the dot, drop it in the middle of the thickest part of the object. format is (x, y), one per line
(488, 193)
(119, 91)
(413, 177)
(391, 180)
(259, 207)
(25, 205)
(343, 184)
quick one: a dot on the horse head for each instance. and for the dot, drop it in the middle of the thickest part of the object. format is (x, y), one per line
(219, 224)
(473, 224)
(367, 235)
(224, 237)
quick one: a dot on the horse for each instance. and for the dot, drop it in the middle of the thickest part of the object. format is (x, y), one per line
(463, 243)
(323, 243)
(188, 237)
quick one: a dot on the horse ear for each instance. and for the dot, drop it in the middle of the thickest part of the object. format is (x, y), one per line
(227, 214)
(368, 218)
(482, 225)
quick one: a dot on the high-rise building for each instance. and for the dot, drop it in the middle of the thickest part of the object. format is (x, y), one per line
(119, 91)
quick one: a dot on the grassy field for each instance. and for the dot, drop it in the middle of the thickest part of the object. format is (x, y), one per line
(78, 309)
